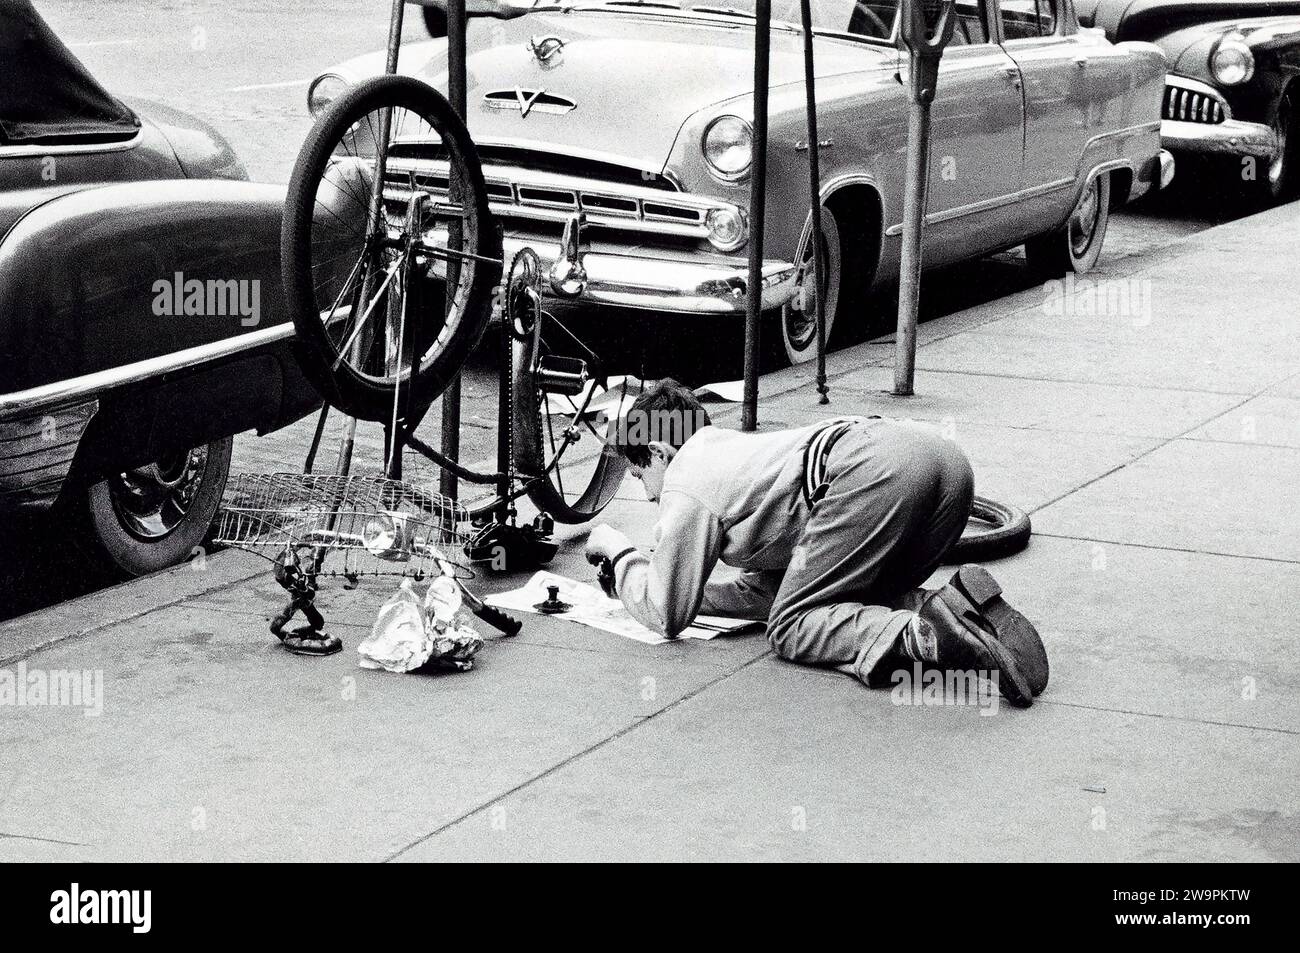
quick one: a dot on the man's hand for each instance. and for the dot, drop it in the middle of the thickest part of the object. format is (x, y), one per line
(605, 542)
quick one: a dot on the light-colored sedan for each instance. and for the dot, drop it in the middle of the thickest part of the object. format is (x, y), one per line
(636, 115)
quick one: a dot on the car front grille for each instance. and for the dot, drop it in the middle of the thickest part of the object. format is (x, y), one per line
(1190, 105)
(542, 200)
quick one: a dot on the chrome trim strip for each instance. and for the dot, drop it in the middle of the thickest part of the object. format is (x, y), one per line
(20, 152)
(1126, 131)
(988, 205)
(91, 385)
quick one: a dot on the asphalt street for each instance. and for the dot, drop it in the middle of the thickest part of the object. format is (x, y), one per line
(245, 66)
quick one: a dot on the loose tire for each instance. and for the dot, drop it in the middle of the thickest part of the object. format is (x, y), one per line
(994, 531)
(334, 263)
(1076, 245)
(153, 517)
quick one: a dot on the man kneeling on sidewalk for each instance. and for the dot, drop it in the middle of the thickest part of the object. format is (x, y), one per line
(833, 527)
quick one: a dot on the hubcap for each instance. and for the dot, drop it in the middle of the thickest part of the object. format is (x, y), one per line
(800, 315)
(152, 500)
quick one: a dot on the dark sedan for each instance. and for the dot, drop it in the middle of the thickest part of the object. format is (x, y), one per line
(1234, 80)
(141, 319)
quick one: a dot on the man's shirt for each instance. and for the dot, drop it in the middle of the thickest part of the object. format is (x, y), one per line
(727, 497)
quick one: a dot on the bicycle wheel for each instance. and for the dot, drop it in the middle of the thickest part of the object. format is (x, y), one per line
(388, 293)
(560, 443)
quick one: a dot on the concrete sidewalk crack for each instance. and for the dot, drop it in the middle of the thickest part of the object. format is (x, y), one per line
(108, 624)
(1164, 717)
(571, 759)
(1171, 549)
(1161, 444)
(6, 835)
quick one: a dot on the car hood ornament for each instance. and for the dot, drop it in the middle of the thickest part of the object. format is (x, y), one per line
(545, 48)
(528, 100)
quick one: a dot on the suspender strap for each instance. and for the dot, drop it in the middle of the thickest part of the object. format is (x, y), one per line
(814, 460)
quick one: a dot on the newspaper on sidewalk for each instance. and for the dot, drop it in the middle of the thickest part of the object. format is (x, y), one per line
(593, 608)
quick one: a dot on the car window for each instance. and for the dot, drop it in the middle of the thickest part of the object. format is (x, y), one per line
(875, 18)
(969, 28)
(1028, 19)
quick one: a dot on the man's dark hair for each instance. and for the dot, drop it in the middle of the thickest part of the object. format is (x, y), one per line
(665, 411)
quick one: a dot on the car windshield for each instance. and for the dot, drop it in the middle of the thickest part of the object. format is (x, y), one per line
(868, 18)
(46, 95)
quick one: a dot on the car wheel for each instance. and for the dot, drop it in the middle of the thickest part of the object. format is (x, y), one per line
(154, 516)
(1076, 245)
(798, 319)
(1282, 181)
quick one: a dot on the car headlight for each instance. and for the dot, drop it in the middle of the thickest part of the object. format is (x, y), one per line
(727, 227)
(729, 146)
(323, 91)
(1231, 61)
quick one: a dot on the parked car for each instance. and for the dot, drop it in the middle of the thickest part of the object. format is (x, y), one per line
(141, 319)
(1234, 84)
(638, 115)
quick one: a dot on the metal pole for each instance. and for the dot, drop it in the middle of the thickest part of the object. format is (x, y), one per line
(925, 27)
(456, 95)
(815, 201)
(915, 193)
(757, 202)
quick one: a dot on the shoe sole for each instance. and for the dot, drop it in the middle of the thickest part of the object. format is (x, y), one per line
(1015, 631)
(1012, 683)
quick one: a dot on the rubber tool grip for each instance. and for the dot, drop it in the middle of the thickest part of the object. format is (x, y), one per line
(507, 624)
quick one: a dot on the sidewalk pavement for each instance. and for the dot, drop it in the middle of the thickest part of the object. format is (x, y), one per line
(1157, 449)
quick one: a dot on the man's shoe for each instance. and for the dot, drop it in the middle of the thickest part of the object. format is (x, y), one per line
(965, 641)
(1013, 630)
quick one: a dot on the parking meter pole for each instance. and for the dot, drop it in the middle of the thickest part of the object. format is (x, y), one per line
(909, 279)
(925, 28)
(456, 95)
(815, 200)
(757, 204)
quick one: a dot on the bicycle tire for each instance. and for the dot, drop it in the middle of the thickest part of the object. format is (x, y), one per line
(530, 452)
(339, 383)
(1009, 533)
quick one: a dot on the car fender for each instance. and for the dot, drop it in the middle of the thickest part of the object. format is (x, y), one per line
(157, 305)
(203, 153)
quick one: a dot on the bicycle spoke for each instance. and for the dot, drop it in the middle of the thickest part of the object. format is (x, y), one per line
(366, 317)
(346, 285)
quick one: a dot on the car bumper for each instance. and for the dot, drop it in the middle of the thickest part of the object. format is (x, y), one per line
(1231, 137)
(675, 285)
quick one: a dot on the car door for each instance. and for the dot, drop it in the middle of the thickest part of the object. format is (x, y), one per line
(1054, 66)
(977, 139)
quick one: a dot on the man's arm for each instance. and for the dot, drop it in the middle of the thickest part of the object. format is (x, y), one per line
(663, 593)
(748, 595)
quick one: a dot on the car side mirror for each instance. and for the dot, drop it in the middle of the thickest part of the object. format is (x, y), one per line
(435, 12)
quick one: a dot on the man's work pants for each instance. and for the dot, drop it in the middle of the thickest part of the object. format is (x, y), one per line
(897, 498)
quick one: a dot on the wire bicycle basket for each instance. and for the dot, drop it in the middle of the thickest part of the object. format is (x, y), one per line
(350, 525)
(311, 525)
